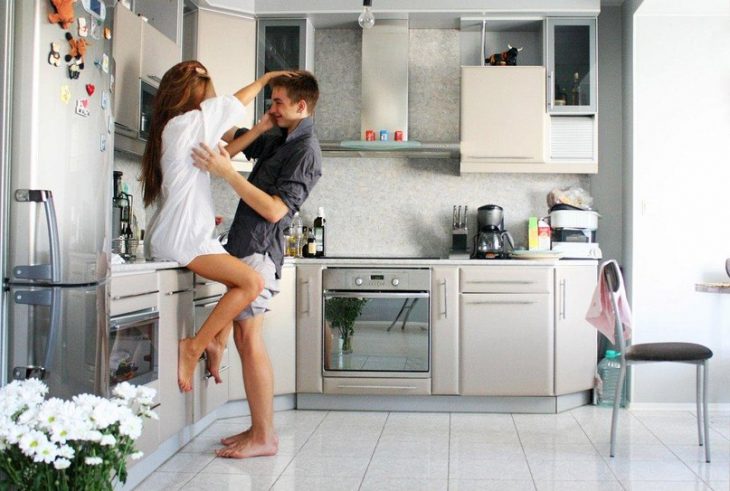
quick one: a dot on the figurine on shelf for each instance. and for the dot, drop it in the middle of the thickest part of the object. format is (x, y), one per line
(508, 57)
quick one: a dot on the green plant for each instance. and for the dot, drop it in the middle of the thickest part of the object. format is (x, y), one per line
(341, 313)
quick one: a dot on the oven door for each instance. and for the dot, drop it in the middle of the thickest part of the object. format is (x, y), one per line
(376, 334)
(133, 347)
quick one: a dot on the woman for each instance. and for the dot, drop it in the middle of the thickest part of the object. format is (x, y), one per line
(186, 112)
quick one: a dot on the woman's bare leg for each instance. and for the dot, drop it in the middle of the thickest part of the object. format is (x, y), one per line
(244, 285)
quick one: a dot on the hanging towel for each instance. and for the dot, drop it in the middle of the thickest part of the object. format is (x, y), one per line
(600, 313)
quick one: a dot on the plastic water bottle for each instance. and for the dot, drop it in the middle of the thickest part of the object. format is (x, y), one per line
(608, 370)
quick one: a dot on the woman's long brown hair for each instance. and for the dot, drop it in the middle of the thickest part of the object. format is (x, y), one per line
(182, 89)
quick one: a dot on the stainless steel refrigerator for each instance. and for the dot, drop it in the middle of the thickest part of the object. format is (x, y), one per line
(57, 156)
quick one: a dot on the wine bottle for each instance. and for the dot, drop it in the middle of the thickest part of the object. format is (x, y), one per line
(319, 235)
(575, 90)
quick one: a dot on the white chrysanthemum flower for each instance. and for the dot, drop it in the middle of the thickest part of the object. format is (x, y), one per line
(131, 426)
(31, 441)
(66, 451)
(46, 452)
(92, 436)
(93, 460)
(108, 440)
(61, 463)
(105, 414)
(125, 391)
(136, 455)
(145, 395)
(15, 432)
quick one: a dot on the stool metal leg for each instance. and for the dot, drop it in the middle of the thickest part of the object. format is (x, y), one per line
(616, 405)
(706, 414)
(698, 401)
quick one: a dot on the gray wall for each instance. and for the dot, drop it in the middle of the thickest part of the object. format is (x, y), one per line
(388, 206)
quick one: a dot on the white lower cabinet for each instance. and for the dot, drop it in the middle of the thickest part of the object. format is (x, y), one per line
(176, 322)
(150, 438)
(445, 330)
(309, 329)
(280, 338)
(575, 338)
(506, 344)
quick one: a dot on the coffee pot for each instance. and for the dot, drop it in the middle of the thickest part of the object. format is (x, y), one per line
(492, 241)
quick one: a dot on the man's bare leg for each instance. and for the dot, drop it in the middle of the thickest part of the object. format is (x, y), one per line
(258, 379)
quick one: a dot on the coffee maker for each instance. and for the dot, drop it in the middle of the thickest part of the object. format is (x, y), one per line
(491, 241)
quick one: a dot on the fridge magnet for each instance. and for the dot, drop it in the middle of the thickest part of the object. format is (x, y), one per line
(104, 99)
(77, 49)
(90, 89)
(64, 15)
(105, 63)
(65, 94)
(94, 29)
(109, 123)
(74, 71)
(83, 27)
(102, 142)
(107, 33)
(82, 107)
(111, 83)
(54, 57)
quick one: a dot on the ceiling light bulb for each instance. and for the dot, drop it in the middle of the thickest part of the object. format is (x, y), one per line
(366, 18)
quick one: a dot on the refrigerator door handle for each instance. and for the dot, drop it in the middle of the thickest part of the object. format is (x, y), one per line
(50, 271)
(50, 297)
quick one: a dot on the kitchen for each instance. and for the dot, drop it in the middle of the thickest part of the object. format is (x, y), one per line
(376, 206)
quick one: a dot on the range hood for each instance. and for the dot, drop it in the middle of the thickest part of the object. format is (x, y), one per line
(384, 99)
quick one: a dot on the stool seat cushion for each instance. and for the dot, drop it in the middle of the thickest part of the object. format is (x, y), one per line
(668, 352)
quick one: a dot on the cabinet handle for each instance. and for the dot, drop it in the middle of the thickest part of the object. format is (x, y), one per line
(177, 292)
(502, 302)
(121, 297)
(562, 299)
(379, 387)
(446, 314)
(551, 101)
(503, 282)
(155, 78)
(308, 297)
(496, 157)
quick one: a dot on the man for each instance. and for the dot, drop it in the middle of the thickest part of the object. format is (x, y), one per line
(288, 165)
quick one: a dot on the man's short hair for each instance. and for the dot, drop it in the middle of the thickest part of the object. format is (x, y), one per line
(301, 85)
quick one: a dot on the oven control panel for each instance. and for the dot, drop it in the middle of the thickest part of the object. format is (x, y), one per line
(376, 279)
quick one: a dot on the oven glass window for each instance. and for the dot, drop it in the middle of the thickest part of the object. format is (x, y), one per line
(132, 355)
(378, 334)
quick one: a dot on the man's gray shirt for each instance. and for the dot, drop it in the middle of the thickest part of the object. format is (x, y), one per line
(287, 166)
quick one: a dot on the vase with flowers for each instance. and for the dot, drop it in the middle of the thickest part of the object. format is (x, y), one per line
(341, 313)
(79, 444)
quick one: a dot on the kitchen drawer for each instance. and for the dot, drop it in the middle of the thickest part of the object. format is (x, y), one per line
(505, 279)
(133, 292)
(179, 281)
(205, 288)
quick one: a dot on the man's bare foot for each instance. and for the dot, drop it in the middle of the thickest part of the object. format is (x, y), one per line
(250, 447)
(235, 438)
(214, 353)
(186, 360)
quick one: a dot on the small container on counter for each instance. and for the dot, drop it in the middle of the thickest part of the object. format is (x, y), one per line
(369, 135)
(383, 135)
(398, 136)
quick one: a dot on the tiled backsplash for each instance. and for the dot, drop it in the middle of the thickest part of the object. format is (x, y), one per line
(387, 206)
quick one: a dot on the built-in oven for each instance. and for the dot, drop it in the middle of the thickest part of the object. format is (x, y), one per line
(133, 354)
(376, 325)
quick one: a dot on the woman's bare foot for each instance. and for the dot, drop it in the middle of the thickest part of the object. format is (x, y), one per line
(249, 446)
(235, 438)
(214, 353)
(187, 357)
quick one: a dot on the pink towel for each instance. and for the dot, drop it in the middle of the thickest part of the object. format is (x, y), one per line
(600, 313)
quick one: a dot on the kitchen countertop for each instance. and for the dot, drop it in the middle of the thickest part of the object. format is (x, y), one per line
(152, 265)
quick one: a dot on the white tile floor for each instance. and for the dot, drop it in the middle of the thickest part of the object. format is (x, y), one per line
(333, 450)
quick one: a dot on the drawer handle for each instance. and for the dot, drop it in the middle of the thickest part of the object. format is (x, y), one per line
(498, 302)
(209, 375)
(122, 297)
(502, 282)
(399, 387)
(177, 292)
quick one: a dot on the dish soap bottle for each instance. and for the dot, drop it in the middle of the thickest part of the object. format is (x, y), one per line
(319, 235)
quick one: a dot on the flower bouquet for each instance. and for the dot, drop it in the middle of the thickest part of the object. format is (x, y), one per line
(81, 444)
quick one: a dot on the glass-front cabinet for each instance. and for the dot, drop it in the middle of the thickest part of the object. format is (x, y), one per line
(283, 44)
(571, 63)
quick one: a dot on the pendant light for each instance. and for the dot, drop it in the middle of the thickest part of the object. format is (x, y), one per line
(366, 18)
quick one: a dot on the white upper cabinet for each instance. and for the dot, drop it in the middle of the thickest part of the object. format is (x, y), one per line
(502, 116)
